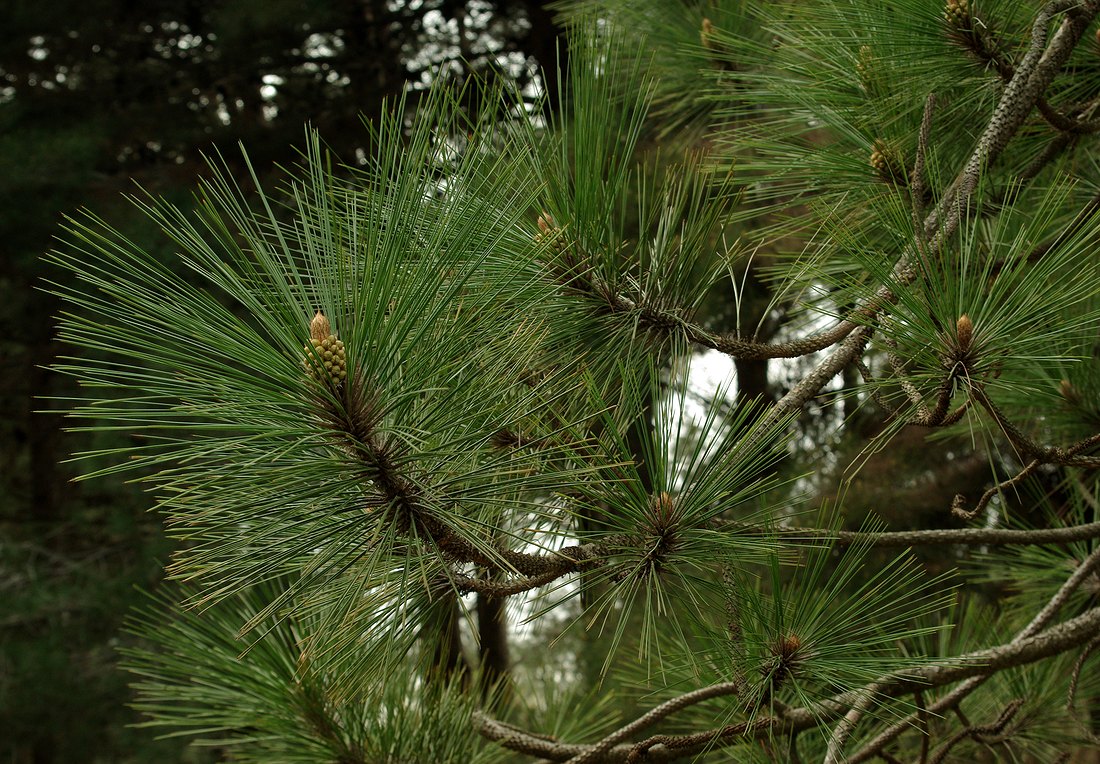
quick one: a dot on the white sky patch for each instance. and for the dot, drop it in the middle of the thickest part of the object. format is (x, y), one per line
(709, 372)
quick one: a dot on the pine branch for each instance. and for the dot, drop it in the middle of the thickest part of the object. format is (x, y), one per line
(980, 39)
(1035, 72)
(654, 716)
(412, 502)
(1035, 642)
(927, 537)
(977, 665)
(1068, 456)
(391, 462)
(959, 502)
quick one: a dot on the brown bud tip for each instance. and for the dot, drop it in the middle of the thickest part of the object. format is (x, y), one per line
(964, 330)
(662, 506)
(319, 327)
(546, 222)
(1068, 391)
(706, 33)
(789, 645)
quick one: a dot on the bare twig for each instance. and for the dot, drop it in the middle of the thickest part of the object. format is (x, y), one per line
(876, 394)
(1077, 666)
(924, 724)
(917, 177)
(901, 374)
(834, 753)
(958, 504)
(493, 588)
(977, 732)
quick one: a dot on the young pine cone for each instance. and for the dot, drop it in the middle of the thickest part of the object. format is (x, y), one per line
(325, 358)
(957, 14)
(865, 68)
(888, 165)
(550, 234)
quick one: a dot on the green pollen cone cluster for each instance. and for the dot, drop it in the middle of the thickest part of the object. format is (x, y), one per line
(325, 358)
(957, 13)
(550, 234)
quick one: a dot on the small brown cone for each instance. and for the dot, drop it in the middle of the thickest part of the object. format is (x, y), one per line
(663, 508)
(964, 331)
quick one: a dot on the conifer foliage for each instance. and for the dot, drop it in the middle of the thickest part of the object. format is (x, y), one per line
(444, 485)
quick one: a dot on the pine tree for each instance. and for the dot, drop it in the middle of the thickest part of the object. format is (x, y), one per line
(445, 489)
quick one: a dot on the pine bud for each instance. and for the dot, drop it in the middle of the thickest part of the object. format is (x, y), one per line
(865, 66)
(1069, 392)
(788, 654)
(662, 508)
(550, 234)
(319, 327)
(706, 34)
(964, 332)
(788, 646)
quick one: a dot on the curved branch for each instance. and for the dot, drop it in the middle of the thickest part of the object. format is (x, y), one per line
(746, 350)
(1068, 456)
(979, 731)
(655, 715)
(411, 503)
(834, 753)
(492, 588)
(959, 502)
